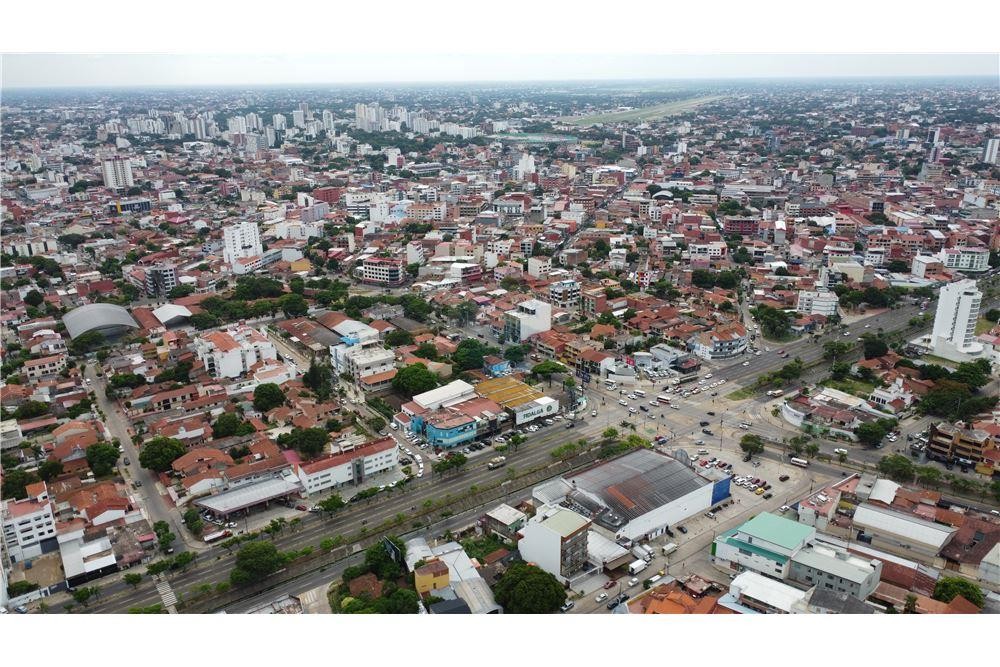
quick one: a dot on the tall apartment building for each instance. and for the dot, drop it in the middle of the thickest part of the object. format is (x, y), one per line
(955, 321)
(117, 173)
(240, 241)
(817, 303)
(991, 152)
(231, 353)
(565, 294)
(968, 259)
(160, 279)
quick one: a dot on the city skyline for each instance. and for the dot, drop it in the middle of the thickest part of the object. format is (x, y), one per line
(32, 71)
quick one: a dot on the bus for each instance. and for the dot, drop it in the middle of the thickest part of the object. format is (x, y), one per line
(639, 392)
(802, 463)
(663, 399)
(611, 385)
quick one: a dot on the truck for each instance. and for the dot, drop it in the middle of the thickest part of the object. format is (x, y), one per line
(774, 393)
(637, 567)
(669, 548)
(216, 536)
(640, 551)
(497, 462)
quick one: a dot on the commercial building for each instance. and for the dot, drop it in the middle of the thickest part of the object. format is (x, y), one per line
(765, 544)
(504, 521)
(767, 596)
(466, 590)
(953, 336)
(555, 540)
(817, 303)
(896, 531)
(527, 319)
(522, 401)
(837, 570)
(117, 173)
(350, 465)
(107, 318)
(954, 443)
(241, 241)
(637, 496)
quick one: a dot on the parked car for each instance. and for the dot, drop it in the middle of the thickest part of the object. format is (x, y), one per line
(601, 597)
(783, 478)
(566, 607)
(633, 581)
(682, 529)
(768, 496)
(611, 583)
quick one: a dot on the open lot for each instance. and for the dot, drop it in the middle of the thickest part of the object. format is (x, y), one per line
(642, 113)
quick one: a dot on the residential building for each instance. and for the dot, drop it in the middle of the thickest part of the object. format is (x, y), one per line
(969, 259)
(28, 524)
(241, 241)
(565, 294)
(383, 271)
(723, 342)
(160, 279)
(767, 596)
(504, 521)
(953, 336)
(232, 353)
(44, 366)
(832, 569)
(991, 152)
(117, 173)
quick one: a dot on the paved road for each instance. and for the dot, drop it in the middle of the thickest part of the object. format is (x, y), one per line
(155, 506)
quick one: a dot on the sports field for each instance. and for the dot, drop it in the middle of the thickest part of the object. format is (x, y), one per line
(642, 113)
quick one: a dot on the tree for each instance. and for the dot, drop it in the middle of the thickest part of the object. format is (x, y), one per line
(293, 305)
(547, 369)
(310, 442)
(898, 467)
(193, 521)
(34, 298)
(180, 291)
(50, 469)
(318, 379)
(947, 588)
(929, 476)
(835, 348)
(415, 307)
(398, 337)
(453, 462)
(414, 379)
(15, 483)
(86, 342)
(331, 504)
(527, 589)
(229, 424)
(610, 433)
(870, 433)
(160, 452)
(840, 370)
(31, 409)
(22, 587)
(132, 579)
(773, 322)
(84, 594)
(164, 536)
(102, 458)
(514, 353)
(469, 354)
(267, 396)
(752, 444)
(874, 347)
(426, 350)
(910, 606)
(256, 562)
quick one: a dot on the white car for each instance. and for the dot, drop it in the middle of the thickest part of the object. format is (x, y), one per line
(622, 402)
(847, 333)
(593, 413)
(633, 581)
(558, 418)
(722, 381)
(746, 363)
(633, 411)
(601, 598)
(420, 473)
(757, 353)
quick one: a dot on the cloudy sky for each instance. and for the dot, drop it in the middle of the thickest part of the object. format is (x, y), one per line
(60, 70)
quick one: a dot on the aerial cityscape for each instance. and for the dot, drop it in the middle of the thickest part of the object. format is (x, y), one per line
(550, 347)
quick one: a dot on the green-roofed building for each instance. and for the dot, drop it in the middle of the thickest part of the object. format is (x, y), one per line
(765, 544)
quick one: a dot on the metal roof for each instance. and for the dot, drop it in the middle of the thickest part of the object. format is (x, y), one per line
(778, 530)
(907, 527)
(97, 317)
(249, 495)
(639, 482)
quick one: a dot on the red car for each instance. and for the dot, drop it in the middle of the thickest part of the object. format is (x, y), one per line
(610, 584)
(703, 463)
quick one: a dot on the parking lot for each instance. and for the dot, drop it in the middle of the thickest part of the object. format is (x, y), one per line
(692, 551)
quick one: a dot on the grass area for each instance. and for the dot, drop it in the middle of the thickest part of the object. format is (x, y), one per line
(850, 386)
(741, 394)
(480, 547)
(982, 326)
(643, 113)
(941, 361)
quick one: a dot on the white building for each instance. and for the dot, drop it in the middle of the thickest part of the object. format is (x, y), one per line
(529, 318)
(767, 595)
(539, 267)
(117, 173)
(241, 241)
(27, 523)
(350, 465)
(817, 303)
(233, 352)
(991, 152)
(555, 540)
(954, 331)
(970, 259)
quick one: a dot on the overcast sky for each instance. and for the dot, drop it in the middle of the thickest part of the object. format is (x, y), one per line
(40, 70)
